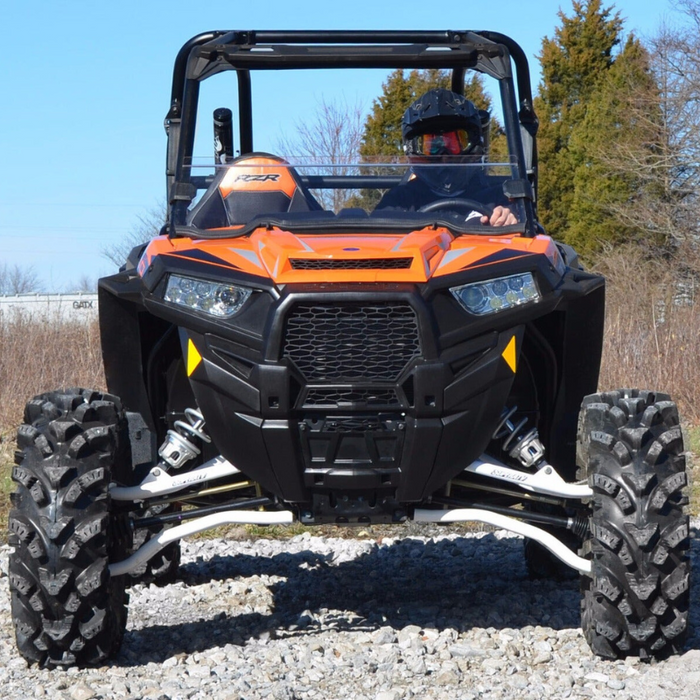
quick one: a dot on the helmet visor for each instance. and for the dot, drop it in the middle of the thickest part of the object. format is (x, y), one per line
(446, 143)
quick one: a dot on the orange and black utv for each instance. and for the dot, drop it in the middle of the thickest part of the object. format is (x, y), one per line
(279, 355)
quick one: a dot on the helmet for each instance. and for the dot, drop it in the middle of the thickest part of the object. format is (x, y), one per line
(443, 123)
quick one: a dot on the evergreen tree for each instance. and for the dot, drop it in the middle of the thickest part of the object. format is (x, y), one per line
(613, 151)
(382, 131)
(573, 64)
(382, 135)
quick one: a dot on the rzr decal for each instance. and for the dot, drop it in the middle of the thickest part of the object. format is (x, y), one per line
(269, 177)
(258, 175)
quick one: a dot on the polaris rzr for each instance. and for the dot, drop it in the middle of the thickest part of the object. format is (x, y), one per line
(287, 351)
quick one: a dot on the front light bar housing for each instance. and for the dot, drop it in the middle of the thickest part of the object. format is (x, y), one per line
(217, 299)
(491, 296)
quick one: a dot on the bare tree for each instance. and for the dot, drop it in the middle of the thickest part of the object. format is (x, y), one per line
(664, 153)
(677, 54)
(85, 283)
(19, 280)
(332, 137)
(147, 226)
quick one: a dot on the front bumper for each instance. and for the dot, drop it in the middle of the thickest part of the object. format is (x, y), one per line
(352, 393)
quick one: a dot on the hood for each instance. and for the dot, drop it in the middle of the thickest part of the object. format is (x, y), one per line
(288, 258)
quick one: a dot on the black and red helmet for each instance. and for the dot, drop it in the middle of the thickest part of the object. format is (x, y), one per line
(443, 123)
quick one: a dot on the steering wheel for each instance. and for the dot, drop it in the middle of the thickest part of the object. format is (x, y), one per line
(457, 203)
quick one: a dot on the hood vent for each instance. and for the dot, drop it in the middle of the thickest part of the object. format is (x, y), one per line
(351, 264)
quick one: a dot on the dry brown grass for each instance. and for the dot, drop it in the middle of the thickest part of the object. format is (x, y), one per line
(651, 341)
(36, 356)
(39, 355)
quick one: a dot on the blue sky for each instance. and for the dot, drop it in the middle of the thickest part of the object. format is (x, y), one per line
(86, 85)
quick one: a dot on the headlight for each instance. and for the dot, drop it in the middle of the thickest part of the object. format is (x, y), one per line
(213, 298)
(487, 297)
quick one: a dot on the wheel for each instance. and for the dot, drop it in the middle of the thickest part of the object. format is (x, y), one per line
(457, 203)
(66, 608)
(630, 449)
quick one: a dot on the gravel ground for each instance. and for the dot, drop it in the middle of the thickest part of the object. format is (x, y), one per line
(426, 614)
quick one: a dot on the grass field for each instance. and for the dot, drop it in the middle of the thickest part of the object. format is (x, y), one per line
(6, 485)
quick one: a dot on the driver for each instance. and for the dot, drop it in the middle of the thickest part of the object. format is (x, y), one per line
(441, 127)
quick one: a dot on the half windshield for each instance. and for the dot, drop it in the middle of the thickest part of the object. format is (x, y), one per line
(262, 189)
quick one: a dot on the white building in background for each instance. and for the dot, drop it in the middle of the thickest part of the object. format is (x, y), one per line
(56, 308)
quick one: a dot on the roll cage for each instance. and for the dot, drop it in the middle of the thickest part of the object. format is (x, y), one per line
(210, 53)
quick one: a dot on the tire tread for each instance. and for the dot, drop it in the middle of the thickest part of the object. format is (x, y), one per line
(630, 449)
(66, 608)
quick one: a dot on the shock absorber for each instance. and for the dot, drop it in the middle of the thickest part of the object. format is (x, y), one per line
(527, 448)
(178, 447)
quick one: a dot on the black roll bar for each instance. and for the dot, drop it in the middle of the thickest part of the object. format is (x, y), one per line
(212, 52)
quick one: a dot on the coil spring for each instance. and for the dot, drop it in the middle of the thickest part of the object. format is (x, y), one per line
(178, 447)
(505, 429)
(194, 428)
(527, 448)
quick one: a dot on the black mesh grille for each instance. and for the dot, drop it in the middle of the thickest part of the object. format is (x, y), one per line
(336, 397)
(351, 342)
(362, 264)
(361, 424)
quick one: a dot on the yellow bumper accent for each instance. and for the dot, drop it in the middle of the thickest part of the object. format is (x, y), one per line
(509, 354)
(193, 357)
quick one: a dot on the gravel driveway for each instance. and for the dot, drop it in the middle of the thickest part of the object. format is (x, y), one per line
(429, 614)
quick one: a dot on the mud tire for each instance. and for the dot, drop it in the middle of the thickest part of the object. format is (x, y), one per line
(630, 449)
(66, 608)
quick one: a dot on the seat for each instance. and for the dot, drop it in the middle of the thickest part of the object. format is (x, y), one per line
(253, 184)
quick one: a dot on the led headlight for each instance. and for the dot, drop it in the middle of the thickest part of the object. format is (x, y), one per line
(487, 297)
(213, 298)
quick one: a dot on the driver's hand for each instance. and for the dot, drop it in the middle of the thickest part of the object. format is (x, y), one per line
(502, 216)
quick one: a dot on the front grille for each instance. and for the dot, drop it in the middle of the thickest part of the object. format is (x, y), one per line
(359, 424)
(355, 264)
(351, 342)
(321, 397)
